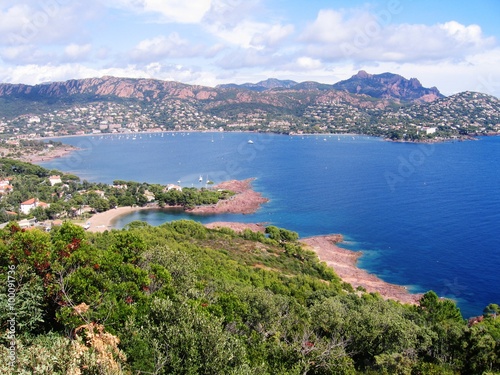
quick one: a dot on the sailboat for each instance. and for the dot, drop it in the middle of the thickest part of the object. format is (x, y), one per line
(200, 179)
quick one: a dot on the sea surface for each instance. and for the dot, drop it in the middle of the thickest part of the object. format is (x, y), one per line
(426, 216)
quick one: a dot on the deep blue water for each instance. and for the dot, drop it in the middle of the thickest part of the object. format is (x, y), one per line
(425, 216)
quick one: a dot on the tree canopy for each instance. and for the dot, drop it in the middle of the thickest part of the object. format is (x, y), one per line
(183, 299)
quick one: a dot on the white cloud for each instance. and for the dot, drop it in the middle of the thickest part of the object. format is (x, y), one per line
(24, 54)
(181, 11)
(272, 36)
(231, 12)
(177, 11)
(240, 35)
(77, 52)
(333, 26)
(308, 63)
(13, 18)
(41, 21)
(239, 23)
(161, 47)
(465, 34)
(361, 36)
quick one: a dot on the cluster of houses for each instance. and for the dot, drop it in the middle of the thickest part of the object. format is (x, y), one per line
(32, 203)
(29, 205)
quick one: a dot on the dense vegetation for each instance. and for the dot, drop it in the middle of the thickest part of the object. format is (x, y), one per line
(183, 299)
(72, 198)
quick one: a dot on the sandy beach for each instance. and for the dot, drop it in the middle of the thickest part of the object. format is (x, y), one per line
(344, 263)
(102, 221)
(245, 201)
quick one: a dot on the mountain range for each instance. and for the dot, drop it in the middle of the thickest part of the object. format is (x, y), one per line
(381, 86)
(378, 104)
(385, 85)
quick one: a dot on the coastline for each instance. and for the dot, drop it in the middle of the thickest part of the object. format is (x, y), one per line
(344, 263)
(245, 201)
(43, 156)
(102, 221)
(471, 137)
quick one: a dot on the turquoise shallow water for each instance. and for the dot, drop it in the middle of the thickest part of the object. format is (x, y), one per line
(425, 216)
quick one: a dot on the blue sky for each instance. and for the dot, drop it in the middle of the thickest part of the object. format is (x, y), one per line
(452, 45)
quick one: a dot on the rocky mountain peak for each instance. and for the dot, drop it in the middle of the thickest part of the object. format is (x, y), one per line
(362, 75)
(388, 86)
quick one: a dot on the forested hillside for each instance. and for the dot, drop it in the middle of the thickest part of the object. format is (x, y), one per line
(183, 299)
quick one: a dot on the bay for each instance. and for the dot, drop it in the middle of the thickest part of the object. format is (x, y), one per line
(425, 215)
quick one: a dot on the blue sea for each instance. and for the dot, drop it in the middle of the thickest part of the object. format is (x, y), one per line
(426, 216)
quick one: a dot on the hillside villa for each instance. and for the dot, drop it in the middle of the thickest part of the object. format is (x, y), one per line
(32, 203)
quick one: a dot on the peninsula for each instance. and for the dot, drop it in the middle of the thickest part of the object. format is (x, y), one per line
(244, 201)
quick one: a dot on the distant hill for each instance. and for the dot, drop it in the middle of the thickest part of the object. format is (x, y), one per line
(388, 85)
(311, 85)
(271, 83)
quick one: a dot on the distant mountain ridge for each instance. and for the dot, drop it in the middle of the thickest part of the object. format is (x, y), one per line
(137, 88)
(384, 86)
(388, 85)
(270, 83)
(381, 86)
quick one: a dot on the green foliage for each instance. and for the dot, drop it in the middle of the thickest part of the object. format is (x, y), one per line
(180, 298)
(281, 235)
(9, 167)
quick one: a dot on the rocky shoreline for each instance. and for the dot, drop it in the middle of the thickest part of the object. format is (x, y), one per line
(344, 263)
(245, 201)
(31, 155)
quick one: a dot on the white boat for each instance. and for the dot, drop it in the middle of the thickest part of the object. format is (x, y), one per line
(250, 142)
(200, 179)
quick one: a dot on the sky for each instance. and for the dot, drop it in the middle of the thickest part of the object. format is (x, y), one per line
(453, 45)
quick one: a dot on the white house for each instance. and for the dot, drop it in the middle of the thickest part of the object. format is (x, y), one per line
(172, 187)
(55, 180)
(32, 203)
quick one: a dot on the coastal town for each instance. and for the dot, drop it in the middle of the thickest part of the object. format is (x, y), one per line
(133, 106)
